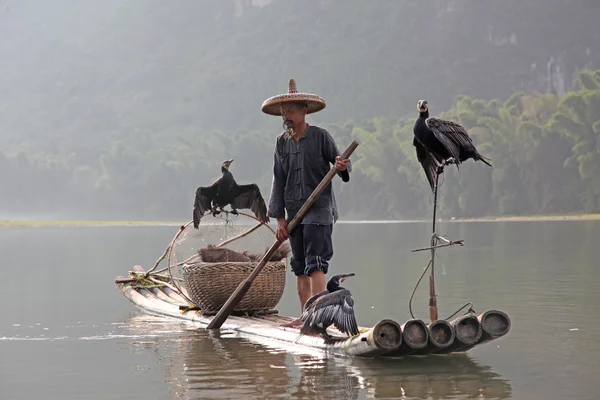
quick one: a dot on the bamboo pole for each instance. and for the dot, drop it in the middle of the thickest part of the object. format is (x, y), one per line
(433, 308)
(244, 286)
(241, 235)
(164, 254)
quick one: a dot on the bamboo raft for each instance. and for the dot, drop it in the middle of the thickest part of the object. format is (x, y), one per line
(161, 295)
(387, 338)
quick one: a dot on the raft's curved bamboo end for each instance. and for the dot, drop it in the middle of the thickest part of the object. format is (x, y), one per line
(387, 335)
(415, 334)
(441, 333)
(494, 324)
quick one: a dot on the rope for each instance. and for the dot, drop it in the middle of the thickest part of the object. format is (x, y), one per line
(470, 310)
(415, 289)
(144, 283)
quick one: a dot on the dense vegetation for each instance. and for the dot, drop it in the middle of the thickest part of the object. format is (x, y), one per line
(545, 152)
(112, 110)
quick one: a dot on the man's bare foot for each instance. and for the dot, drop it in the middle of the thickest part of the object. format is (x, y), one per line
(293, 324)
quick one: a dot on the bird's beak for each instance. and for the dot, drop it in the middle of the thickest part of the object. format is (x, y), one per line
(343, 278)
(230, 161)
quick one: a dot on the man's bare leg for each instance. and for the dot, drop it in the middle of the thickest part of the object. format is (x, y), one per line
(303, 284)
(317, 282)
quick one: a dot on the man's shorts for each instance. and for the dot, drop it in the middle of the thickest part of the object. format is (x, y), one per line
(312, 248)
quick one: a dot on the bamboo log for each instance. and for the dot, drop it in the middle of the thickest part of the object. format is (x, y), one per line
(414, 338)
(494, 324)
(164, 297)
(384, 337)
(467, 331)
(175, 296)
(244, 286)
(441, 335)
(138, 269)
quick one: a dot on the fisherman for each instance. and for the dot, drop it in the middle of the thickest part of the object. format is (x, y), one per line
(303, 156)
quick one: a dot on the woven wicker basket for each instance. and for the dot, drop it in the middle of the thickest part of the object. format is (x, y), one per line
(211, 284)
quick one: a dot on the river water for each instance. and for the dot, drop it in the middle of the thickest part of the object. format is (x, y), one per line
(67, 333)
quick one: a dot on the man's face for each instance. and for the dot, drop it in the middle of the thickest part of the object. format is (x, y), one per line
(293, 114)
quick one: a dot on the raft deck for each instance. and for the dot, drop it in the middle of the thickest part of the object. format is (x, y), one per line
(387, 338)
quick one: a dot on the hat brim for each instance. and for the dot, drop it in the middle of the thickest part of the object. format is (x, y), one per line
(272, 105)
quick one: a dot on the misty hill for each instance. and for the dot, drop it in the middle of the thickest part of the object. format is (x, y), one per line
(119, 110)
(77, 70)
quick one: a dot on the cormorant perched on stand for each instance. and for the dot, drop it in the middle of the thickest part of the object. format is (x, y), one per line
(226, 191)
(334, 306)
(440, 142)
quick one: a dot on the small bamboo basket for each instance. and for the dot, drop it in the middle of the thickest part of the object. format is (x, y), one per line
(221, 254)
(211, 283)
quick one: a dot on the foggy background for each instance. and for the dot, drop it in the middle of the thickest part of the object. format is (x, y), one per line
(119, 110)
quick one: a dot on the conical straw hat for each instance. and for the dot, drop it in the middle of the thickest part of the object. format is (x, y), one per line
(272, 104)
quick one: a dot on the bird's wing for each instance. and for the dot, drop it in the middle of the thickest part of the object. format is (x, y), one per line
(336, 308)
(248, 196)
(307, 310)
(451, 134)
(204, 196)
(427, 161)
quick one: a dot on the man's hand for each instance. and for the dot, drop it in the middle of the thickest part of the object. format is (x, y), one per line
(341, 165)
(281, 233)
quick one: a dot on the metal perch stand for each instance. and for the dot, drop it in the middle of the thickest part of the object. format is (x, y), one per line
(435, 239)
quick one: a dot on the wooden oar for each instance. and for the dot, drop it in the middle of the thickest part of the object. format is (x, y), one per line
(243, 287)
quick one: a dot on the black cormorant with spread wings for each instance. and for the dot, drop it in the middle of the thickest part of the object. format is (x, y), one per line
(440, 142)
(334, 306)
(226, 191)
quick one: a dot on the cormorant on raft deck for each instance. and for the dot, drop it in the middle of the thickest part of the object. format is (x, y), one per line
(440, 142)
(225, 191)
(334, 306)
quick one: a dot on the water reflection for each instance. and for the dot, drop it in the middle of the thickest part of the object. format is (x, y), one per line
(204, 364)
(432, 377)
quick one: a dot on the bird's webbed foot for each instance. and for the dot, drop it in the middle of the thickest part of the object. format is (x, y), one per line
(328, 339)
(450, 161)
(293, 324)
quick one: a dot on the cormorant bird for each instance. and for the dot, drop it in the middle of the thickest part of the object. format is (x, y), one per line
(440, 142)
(334, 306)
(226, 191)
